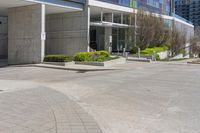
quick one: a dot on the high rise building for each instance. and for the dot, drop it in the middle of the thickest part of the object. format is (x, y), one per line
(189, 9)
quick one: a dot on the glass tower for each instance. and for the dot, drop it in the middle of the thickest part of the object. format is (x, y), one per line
(189, 9)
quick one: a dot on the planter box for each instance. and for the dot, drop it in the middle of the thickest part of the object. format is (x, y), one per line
(163, 55)
(179, 56)
(59, 63)
(142, 56)
(193, 62)
(106, 63)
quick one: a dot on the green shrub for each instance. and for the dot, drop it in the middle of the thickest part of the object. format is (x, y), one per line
(112, 58)
(57, 58)
(182, 52)
(134, 50)
(157, 57)
(99, 56)
(69, 58)
(83, 56)
(150, 51)
(101, 59)
(104, 53)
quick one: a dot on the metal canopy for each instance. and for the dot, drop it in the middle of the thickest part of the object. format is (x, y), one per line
(109, 24)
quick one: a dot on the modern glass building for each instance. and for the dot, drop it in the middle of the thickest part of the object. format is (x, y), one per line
(114, 23)
(30, 29)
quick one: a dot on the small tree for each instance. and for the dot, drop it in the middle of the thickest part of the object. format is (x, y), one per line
(145, 30)
(195, 45)
(151, 31)
(178, 41)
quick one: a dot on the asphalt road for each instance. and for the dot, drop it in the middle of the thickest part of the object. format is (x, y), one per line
(136, 98)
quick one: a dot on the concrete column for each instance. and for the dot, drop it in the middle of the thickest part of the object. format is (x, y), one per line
(88, 29)
(68, 33)
(108, 31)
(3, 37)
(101, 15)
(122, 18)
(25, 38)
(43, 34)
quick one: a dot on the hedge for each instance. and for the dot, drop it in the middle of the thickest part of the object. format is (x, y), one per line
(99, 56)
(57, 58)
(150, 51)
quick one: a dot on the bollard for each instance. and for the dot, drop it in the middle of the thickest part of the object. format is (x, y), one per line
(124, 52)
(154, 53)
(138, 52)
(126, 55)
(110, 49)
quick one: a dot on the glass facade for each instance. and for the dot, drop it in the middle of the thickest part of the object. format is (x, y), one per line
(157, 6)
(118, 39)
(189, 9)
(128, 3)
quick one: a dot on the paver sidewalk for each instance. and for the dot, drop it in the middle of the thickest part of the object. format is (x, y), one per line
(42, 110)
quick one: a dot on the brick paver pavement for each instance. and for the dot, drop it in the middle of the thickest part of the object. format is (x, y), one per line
(43, 110)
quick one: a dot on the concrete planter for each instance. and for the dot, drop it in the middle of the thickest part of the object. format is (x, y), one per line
(59, 63)
(106, 63)
(139, 59)
(179, 56)
(163, 55)
(194, 62)
(142, 56)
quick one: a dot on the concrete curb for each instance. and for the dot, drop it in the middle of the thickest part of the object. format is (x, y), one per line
(139, 60)
(72, 69)
(59, 63)
(120, 60)
(196, 63)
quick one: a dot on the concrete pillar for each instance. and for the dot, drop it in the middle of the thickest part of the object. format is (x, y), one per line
(108, 31)
(26, 34)
(88, 29)
(68, 33)
(3, 37)
(43, 33)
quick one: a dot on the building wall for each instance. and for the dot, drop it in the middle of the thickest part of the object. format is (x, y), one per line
(183, 28)
(3, 37)
(24, 34)
(67, 33)
(197, 31)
